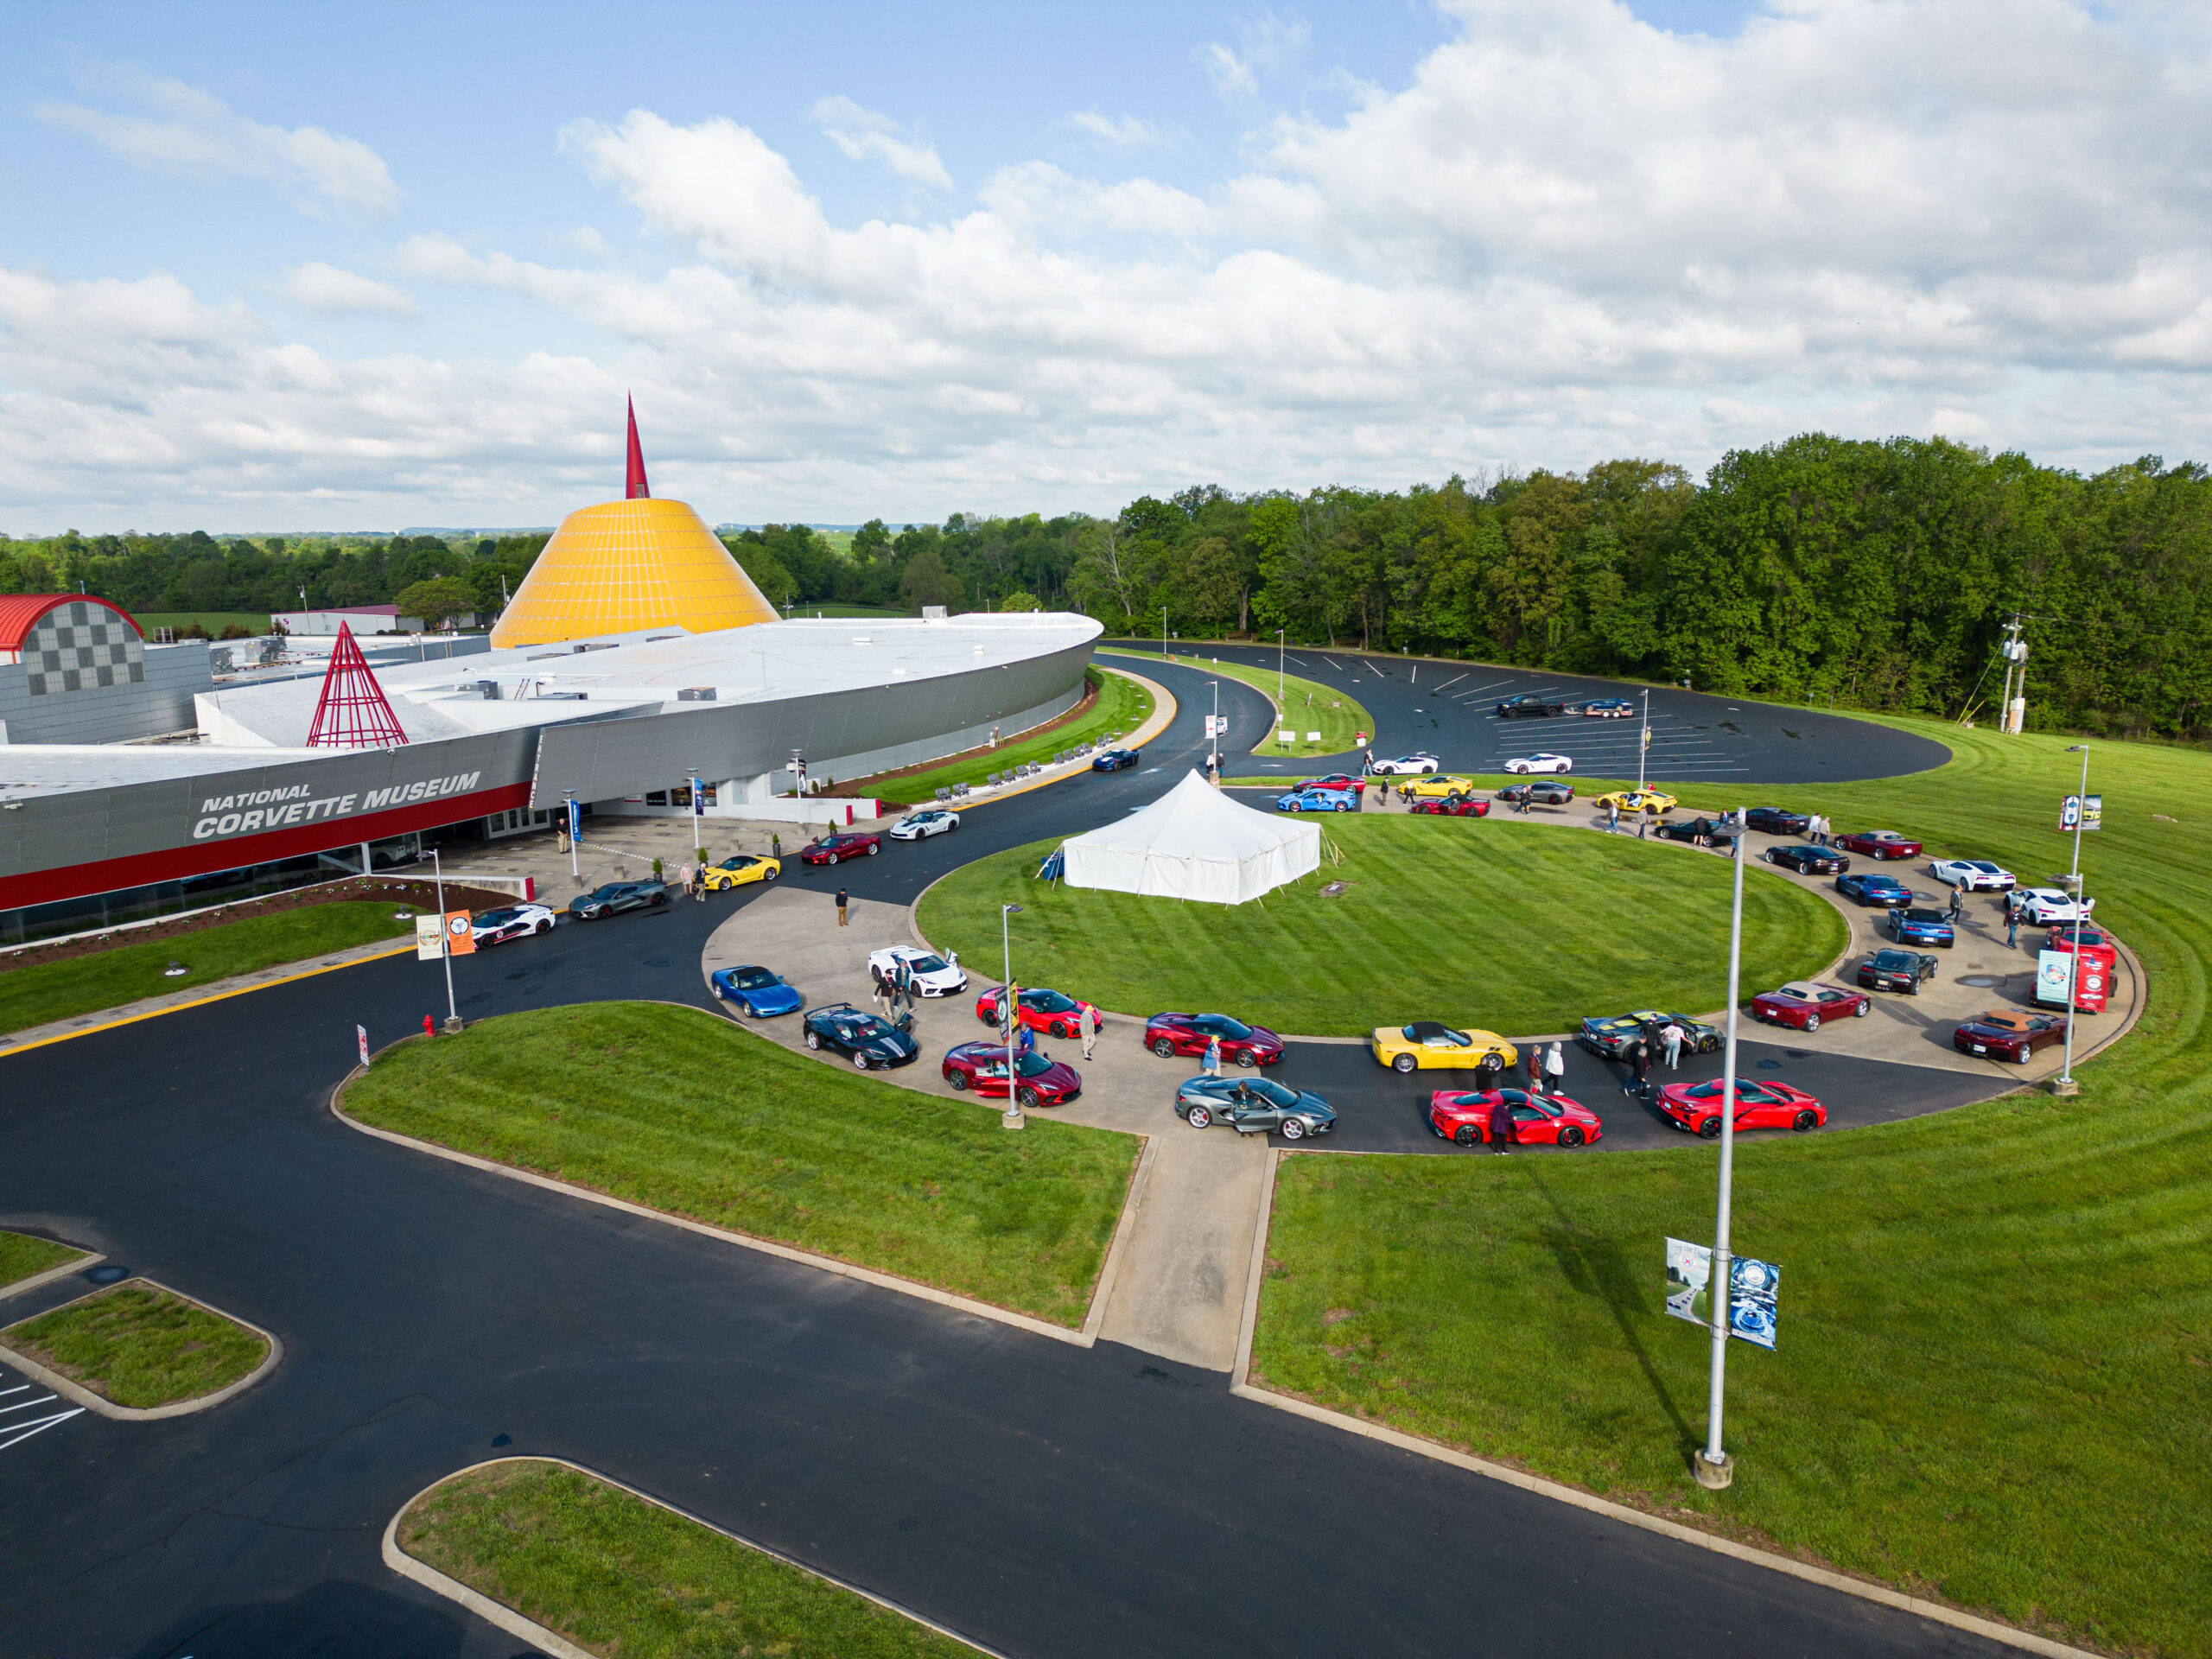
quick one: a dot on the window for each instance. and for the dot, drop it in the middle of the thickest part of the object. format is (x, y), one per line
(656, 798)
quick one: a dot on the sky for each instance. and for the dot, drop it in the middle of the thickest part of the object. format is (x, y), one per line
(290, 268)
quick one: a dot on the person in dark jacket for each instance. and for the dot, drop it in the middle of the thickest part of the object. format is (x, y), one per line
(1534, 1055)
(1639, 1058)
(1488, 1071)
(1501, 1126)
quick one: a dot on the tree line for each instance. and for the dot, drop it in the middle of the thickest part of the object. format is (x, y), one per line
(1868, 574)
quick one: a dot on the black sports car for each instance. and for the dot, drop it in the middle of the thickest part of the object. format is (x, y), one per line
(1609, 1038)
(1807, 860)
(1773, 821)
(1870, 889)
(867, 1039)
(1525, 706)
(1896, 970)
(1115, 760)
(1540, 791)
(615, 898)
(1686, 829)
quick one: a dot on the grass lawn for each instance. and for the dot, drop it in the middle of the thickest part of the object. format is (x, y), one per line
(255, 622)
(107, 979)
(1305, 706)
(139, 1345)
(1995, 1322)
(617, 1574)
(21, 1256)
(1414, 937)
(1123, 706)
(674, 1108)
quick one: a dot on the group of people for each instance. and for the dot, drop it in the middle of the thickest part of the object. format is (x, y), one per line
(1655, 1045)
(1818, 830)
(693, 879)
(895, 989)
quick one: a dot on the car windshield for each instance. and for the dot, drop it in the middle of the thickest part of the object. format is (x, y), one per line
(867, 1027)
(926, 964)
(741, 862)
(497, 918)
(1879, 881)
(612, 890)
(1031, 1065)
(751, 979)
(1922, 915)
(1983, 865)
(1273, 1093)
(1049, 1002)
(1898, 960)
(1220, 1025)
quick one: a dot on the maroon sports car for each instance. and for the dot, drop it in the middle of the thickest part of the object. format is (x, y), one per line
(2009, 1034)
(1803, 1005)
(1170, 1034)
(1334, 780)
(846, 843)
(1449, 807)
(982, 1067)
(1879, 844)
(1696, 1107)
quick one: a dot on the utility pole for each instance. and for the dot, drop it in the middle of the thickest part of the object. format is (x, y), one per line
(2015, 652)
(2064, 1084)
(1012, 1118)
(1714, 1468)
(445, 942)
(1213, 742)
(1644, 747)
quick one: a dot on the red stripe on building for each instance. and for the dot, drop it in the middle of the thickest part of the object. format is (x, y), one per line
(205, 857)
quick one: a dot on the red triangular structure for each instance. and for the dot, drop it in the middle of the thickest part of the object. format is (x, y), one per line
(352, 713)
(634, 488)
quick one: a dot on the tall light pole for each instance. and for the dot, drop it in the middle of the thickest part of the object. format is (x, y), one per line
(445, 942)
(1012, 1118)
(2066, 1084)
(1644, 747)
(1213, 739)
(1281, 646)
(1163, 633)
(1715, 1469)
(573, 824)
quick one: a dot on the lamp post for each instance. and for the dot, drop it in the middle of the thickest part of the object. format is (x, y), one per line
(2065, 1084)
(1281, 646)
(1163, 635)
(1012, 1118)
(1715, 1469)
(1213, 736)
(1644, 747)
(445, 942)
(569, 820)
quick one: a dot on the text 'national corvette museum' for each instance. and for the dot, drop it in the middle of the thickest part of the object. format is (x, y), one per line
(636, 657)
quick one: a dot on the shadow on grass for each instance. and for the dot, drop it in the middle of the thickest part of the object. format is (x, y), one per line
(1595, 1267)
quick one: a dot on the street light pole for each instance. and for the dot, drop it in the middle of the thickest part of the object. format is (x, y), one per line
(570, 822)
(1012, 1118)
(1714, 1468)
(1281, 646)
(1213, 740)
(2066, 1084)
(1644, 747)
(445, 942)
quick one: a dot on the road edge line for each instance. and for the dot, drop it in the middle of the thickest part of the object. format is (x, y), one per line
(106, 1408)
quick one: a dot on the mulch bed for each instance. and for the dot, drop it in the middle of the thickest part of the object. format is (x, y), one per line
(401, 892)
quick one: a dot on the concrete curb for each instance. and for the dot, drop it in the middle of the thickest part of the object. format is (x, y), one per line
(1102, 1292)
(89, 1259)
(106, 1408)
(1241, 1385)
(1081, 1338)
(514, 1623)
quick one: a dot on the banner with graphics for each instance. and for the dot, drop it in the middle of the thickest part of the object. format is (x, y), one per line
(1752, 1287)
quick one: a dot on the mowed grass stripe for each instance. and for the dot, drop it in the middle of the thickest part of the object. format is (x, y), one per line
(1996, 1322)
(1517, 927)
(673, 1109)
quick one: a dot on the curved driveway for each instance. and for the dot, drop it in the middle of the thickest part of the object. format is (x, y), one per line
(1046, 1499)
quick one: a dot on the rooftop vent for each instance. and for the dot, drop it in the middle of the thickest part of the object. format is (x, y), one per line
(695, 694)
(490, 689)
(934, 613)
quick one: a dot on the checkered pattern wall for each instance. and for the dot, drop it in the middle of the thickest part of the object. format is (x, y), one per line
(78, 647)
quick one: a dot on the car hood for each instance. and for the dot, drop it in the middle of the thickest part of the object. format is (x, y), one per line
(778, 996)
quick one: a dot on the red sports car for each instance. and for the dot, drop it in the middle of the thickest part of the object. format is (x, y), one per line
(2009, 1034)
(1696, 1107)
(1334, 780)
(982, 1067)
(1170, 1034)
(1053, 1013)
(1804, 1005)
(1462, 808)
(1879, 844)
(846, 843)
(1463, 1116)
(2065, 937)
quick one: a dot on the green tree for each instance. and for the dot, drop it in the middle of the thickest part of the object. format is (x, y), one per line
(927, 582)
(437, 600)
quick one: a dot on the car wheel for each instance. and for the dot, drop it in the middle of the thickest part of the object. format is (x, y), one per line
(813, 1039)
(959, 1082)
(1064, 1032)
(660, 898)
(1245, 1058)
(1467, 1135)
(1862, 1010)
(1770, 858)
(1292, 1129)
(1804, 1120)
(859, 1061)
(1197, 1117)
(1027, 1097)
(1403, 1063)
(545, 926)
(873, 847)
(769, 875)
(832, 859)
(953, 826)
(1710, 1130)
(1343, 806)
(1164, 1047)
(1812, 1022)
(1570, 1136)
(2026, 1053)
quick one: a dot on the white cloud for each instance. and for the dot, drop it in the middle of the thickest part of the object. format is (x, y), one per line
(1123, 132)
(191, 133)
(1229, 73)
(1266, 46)
(864, 135)
(328, 292)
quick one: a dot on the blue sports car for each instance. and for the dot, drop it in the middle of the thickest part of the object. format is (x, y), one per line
(1883, 890)
(755, 992)
(1915, 926)
(1315, 800)
(1115, 760)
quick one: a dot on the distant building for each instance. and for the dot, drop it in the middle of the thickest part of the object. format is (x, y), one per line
(75, 669)
(362, 619)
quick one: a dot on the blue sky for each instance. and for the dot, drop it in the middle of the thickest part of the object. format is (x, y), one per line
(289, 267)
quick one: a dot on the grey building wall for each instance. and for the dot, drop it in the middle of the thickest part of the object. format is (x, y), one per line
(151, 694)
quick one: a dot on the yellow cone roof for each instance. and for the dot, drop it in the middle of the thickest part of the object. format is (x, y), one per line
(622, 566)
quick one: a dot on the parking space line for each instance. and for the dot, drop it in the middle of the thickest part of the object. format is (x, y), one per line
(18, 1432)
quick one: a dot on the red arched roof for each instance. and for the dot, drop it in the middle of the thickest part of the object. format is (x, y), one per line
(20, 612)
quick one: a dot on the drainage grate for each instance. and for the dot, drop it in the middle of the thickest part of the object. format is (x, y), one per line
(1982, 981)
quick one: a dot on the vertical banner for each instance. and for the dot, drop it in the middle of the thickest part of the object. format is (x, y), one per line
(2093, 812)
(430, 938)
(2069, 814)
(361, 1036)
(698, 809)
(2054, 977)
(575, 820)
(460, 940)
(1753, 1287)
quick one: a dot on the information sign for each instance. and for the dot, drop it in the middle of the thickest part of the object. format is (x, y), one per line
(1752, 1285)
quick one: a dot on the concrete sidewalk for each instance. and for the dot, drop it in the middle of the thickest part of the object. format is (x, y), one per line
(1180, 1283)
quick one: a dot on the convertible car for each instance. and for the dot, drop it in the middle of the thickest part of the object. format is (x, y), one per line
(1317, 800)
(1866, 889)
(1896, 970)
(1803, 1005)
(982, 1067)
(1776, 821)
(1463, 1117)
(1406, 766)
(867, 1039)
(1973, 875)
(738, 869)
(1637, 800)
(1609, 1039)
(1425, 1045)
(1916, 925)
(1879, 844)
(1170, 1034)
(1696, 1107)
(1050, 1012)
(754, 991)
(1807, 860)
(1254, 1106)
(1453, 806)
(2009, 1034)
(846, 843)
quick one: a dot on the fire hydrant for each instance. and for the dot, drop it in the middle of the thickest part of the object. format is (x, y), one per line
(430, 1026)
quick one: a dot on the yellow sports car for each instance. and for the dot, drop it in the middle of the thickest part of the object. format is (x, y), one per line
(1636, 800)
(1424, 1045)
(1435, 787)
(739, 868)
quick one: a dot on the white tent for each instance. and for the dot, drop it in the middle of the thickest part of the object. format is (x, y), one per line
(1195, 842)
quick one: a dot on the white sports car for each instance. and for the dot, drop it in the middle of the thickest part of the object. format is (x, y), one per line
(1541, 763)
(1405, 765)
(490, 927)
(1973, 875)
(2040, 906)
(934, 975)
(930, 820)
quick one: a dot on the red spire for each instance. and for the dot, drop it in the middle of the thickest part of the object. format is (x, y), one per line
(352, 713)
(634, 487)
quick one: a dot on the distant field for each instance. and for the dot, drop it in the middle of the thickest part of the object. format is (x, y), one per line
(856, 611)
(213, 622)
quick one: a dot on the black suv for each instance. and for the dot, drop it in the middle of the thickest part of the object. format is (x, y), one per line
(615, 898)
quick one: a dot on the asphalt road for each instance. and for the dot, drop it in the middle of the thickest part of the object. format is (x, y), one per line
(1045, 1499)
(1450, 711)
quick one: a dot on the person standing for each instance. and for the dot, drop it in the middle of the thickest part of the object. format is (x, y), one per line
(1533, 1057)
(1613, 819)
(684, 877)
(1639, 1059)
(1554, 1071)
(1088, 1023)
(1501, 1125)
(1213, 1057)
(1671, 1035)
(842, 902)
(2012, 929)
(1488, 1071)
